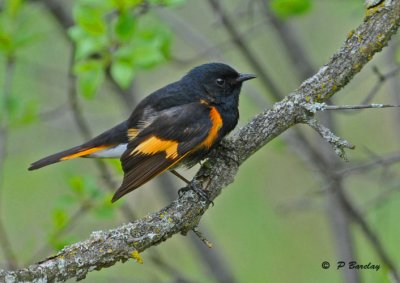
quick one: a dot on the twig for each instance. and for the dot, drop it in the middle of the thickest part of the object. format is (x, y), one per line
(73, 219)
(371, 236)
(383, 161)
(191, 35)
(197, 232)
(382, 78)
(244, 48)
(314, 107)
(338, 144)
(293, 47)
(394, 85)
(5, 242)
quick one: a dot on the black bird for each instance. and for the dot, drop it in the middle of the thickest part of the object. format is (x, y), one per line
(177, 124)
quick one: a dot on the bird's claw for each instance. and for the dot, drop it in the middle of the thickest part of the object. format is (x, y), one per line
(198, 190)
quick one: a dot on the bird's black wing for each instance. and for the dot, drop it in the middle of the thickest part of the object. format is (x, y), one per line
(163, 139)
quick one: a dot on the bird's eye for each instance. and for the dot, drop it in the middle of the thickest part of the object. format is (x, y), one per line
(220, 82)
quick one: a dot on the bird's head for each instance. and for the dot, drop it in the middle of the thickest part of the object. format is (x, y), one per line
(217, 81)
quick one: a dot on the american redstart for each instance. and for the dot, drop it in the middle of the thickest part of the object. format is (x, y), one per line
(177, 124)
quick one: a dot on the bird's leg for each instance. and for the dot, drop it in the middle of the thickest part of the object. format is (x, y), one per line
(193, 187)
(180, 176)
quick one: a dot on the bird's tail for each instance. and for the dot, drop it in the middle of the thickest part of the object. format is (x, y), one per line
(78, 151)
(108, 139)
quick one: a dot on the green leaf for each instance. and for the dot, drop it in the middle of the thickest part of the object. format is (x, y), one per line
(125, 26)
(27, 115)
(60, 218)
(173, 2)
(13, 105)
(77, 185)
(105, 209)
(289, 8)
(90, 76)
(123, 5)
(59, 244)
(6, 42)
(116, 164)
(24, 38)
(91, 189)
(67, 200)
(85, 187)
(151, 46)
(123, 72)
(167, 2)
(90, 18)
(12, 7)
(148, 55)
(87, 44)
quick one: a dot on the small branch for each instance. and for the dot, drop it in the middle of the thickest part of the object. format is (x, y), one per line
(288, 36)
(323, 106)
(245, 49)
(338, 144)
(382, 161)
(85, 206)
(394, 85)
(4, 104)
(197, 232)
(5, 242)
(371, 236)
(65, 20)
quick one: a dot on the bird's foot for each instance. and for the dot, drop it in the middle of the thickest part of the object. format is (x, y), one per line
(198, 190)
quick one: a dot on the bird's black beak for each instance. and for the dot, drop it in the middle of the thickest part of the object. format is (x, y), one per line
(245, 77)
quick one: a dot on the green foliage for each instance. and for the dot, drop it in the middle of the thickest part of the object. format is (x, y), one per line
(113, 36)
(115, 164)
(105, 209)
(147, 47)
(167, 2)
(15, 31)
(15, 34)
(60, 218)
(290, 8)
(59, 243)
(86, 192)
(91, 74)
(85, 196)
(21, 113)
(125, 26)
(84, 188)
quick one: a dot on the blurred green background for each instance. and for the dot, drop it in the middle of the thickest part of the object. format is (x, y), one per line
(274, 223)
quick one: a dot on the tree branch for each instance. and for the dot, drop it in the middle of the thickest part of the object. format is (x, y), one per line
(5, 242)
(105, 248)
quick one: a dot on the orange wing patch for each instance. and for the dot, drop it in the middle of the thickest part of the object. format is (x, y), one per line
(217, 123)
(85, 152)
(154, 145)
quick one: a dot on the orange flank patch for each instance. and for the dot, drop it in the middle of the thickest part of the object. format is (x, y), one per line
(154, 145)
(132, 133)
(217, 123)
(85, 152)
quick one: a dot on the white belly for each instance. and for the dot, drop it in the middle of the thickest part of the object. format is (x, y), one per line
(113, 152)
